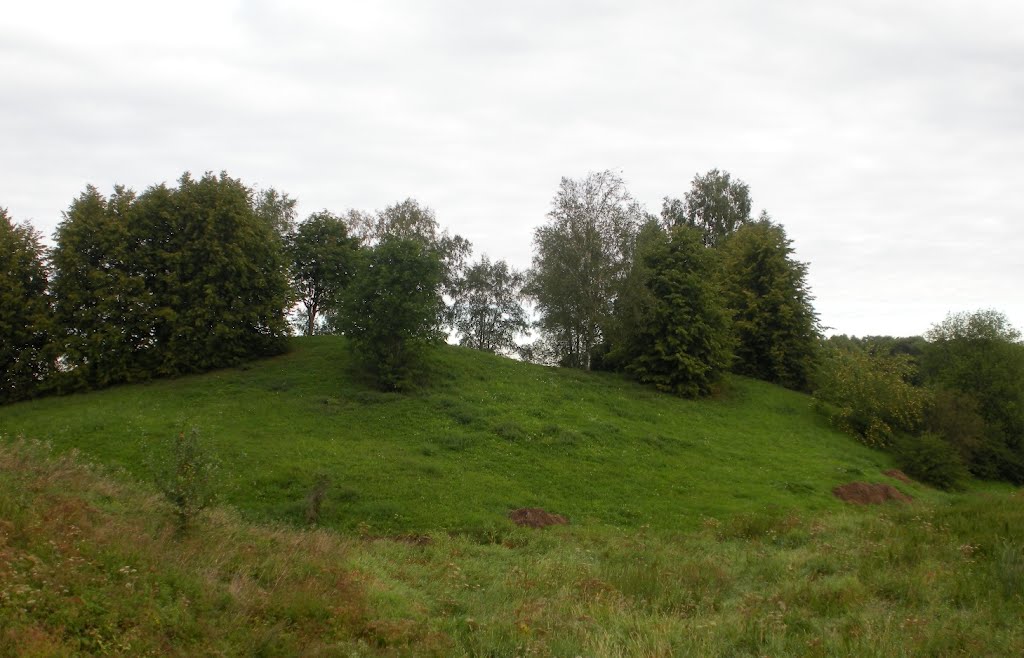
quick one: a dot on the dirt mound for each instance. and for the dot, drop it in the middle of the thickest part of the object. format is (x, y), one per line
(862, 493)
(534, 517)
(897, 474)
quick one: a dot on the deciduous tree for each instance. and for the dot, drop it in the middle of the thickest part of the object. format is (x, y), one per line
(322, 260)
(105, 312)
(580, 259)
(488, 310)
(25, 315)
(394, 308)
(716, 204)
(980, 356)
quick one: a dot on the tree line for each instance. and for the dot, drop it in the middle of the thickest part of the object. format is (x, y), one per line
(203, 274)
(949, 404)
(210, 273)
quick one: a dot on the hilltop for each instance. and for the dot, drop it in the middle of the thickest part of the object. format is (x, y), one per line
(483, 436)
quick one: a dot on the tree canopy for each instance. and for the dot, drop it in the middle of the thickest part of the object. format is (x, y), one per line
(773, 319)
(172, 281)
(580, 260)
(716, 204)
(488, 311)
(394, 308)
(25, 321)
(683, 345)
(322, 261)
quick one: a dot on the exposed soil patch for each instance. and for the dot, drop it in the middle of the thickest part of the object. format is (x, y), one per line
(898, 475)
(862, 493)
(534, 517)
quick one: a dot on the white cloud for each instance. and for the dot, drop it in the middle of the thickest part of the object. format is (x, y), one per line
(885, 137)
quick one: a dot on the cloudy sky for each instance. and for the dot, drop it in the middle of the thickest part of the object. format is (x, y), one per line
(887, 137)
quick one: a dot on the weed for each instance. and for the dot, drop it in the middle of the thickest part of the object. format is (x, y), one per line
(315, 498)
(184, 473)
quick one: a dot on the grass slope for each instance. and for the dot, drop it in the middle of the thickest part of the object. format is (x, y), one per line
(91, 565)
(486, 435)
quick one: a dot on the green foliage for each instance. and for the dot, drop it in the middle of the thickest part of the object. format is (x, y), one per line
(580, 259)
(683, 344)
(488, 311)
(185, 473)
(776, 327)
(956, 417)
(322, 261)
(408, 220)
(174, 281)
(276, 210)
(226, 302)
(979, 355)
(394, 308)
(931, 459)
(25, 316)
(104, 312)
(869, 395)
(715, 204)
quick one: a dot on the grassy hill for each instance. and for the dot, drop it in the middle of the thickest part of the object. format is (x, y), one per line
(698, 527)
(485, 436)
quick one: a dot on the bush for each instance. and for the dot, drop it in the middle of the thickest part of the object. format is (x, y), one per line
(932, 460)
(870, 395)
(184, 474)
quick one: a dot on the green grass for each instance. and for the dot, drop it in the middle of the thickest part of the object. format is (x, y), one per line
(93, 565)
(484, 436)
(698, 527)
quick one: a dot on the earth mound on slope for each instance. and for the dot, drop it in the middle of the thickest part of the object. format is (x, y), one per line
(862, 493)
(898, 474)
(534, 517)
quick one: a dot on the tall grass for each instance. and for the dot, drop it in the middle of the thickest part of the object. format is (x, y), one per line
(91, 564)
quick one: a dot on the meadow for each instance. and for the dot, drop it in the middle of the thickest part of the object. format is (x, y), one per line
(696, 527)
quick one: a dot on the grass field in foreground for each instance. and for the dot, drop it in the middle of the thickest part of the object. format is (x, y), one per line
(484, 436)
(92, 565)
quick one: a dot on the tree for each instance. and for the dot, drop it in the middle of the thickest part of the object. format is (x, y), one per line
(393, 308)
(980, 356)
(409, 220)
(715, 204)
(488, 312)
(277, 210)
(683, 346)
(225, 293)
(322, 259)
(174, 281)
(25, 317)
(776, 327)
(580, 260)
(103, 308)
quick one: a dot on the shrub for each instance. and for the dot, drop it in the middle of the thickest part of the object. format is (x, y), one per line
(932, 460)
(870, 395)
(184, 474)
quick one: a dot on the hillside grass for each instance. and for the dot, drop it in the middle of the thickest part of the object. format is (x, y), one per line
(483, 436)
(92, 564)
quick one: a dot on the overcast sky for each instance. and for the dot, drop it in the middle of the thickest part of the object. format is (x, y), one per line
(887, 137)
